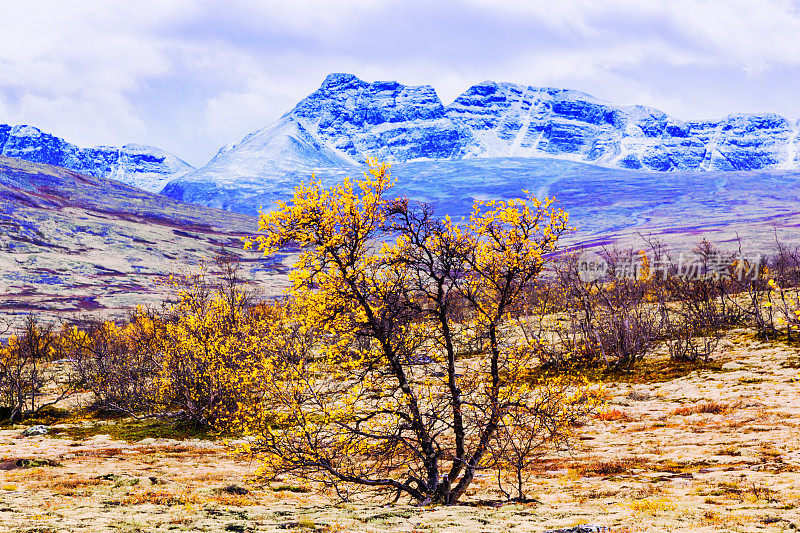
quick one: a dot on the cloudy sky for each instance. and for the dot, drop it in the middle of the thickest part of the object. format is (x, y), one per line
(190, 76)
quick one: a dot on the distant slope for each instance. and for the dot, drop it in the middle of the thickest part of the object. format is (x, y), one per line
(606, 204)
(262, 167)
(71, 243)
(145, 167)
(613, 205)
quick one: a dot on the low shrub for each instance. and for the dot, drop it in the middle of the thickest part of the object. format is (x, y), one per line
(116, 363)
(713, 408)
(27, 372)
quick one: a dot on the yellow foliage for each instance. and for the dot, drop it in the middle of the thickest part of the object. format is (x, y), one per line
(386, 302)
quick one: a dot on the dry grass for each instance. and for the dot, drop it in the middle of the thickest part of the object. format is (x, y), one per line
(209, 477)
(609, 467)
(30, 474)
(234, 500)
(184, 451)
(106, 452)
(732, 451)
(162, 497)
(72, 482)
(658, 507)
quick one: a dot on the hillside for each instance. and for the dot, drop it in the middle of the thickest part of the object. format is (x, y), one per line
(606, 204)
(71, 243)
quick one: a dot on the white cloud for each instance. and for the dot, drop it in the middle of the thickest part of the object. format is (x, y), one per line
(72, 69)
(317, 17)
(192, 75)
(744, 33)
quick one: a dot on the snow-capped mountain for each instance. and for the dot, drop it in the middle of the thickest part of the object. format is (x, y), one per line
(382, 119)
(333, 130)
(146, 167)
(262, 167)
(355, 119)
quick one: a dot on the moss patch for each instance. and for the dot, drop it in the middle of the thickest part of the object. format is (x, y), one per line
(45, 417)
(647, 370)
(132, 430)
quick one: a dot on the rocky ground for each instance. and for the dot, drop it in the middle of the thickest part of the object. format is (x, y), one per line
(714, 449)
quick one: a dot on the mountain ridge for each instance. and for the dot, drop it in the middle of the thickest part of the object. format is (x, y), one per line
(146, 167)
(346, 120)
(334, 129)
(355, 119)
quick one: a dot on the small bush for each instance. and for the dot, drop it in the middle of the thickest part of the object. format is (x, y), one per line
(611, 415)
(27, 372)
(116, 364)
(612, 467)
(709, 408)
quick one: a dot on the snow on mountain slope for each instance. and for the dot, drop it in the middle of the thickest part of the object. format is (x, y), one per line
(347, 120)
(264, 166)
(145, 167)
(331, 131)
(386, 120)
(284, 146)
(514, 120)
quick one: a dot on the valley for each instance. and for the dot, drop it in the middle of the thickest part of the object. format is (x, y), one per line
(714, 449)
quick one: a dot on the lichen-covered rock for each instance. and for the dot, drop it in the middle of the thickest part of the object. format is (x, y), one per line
(35, 430)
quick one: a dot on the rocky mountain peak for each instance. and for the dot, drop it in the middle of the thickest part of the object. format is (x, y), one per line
(139, 165)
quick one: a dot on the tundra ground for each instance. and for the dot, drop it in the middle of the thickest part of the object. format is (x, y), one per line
(714, 449)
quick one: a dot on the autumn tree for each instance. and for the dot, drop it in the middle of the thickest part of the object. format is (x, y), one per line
(206, 348)
(414, 372)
